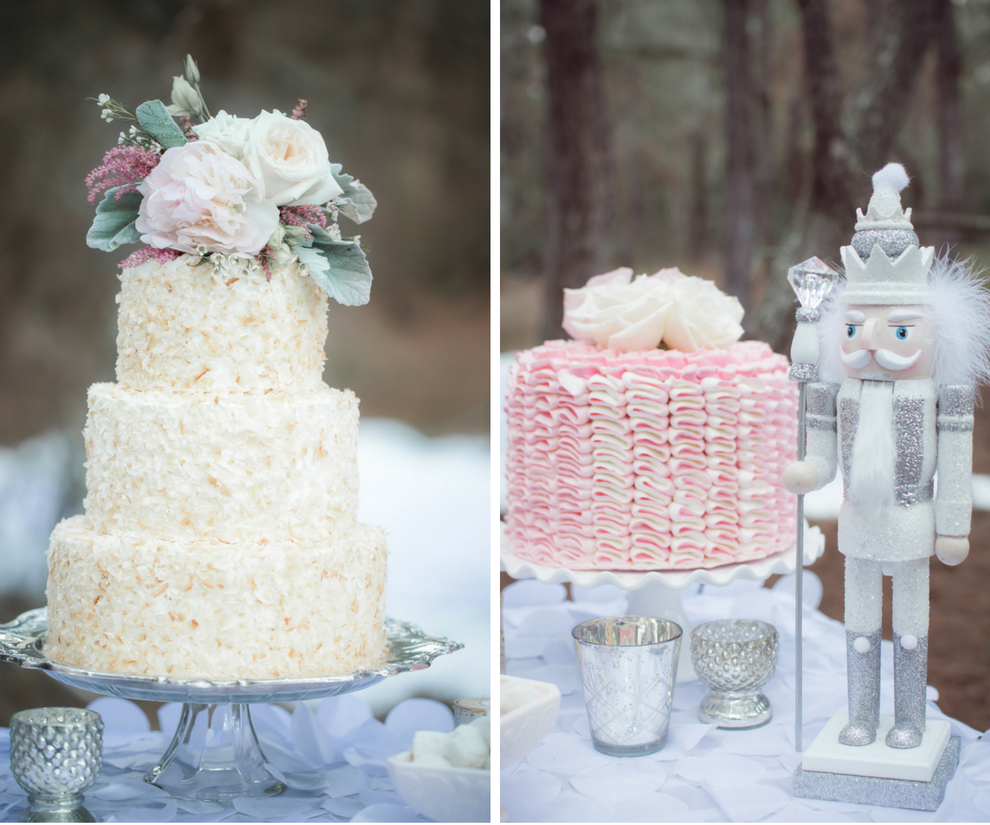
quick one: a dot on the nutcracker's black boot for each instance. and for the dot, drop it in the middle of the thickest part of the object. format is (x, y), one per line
(863, 675)
(910, 686)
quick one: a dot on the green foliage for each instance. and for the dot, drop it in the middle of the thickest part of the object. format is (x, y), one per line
(113, 225)
(157, 122)
(356, 202)
(339, 268)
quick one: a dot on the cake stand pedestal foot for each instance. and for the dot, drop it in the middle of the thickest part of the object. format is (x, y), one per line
(661, 602)
(215, 756)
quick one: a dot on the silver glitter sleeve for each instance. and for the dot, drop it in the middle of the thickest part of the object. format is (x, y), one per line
(954, 498)
(820, 444)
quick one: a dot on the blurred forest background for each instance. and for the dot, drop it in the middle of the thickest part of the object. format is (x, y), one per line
(399, 90)
(733, 139)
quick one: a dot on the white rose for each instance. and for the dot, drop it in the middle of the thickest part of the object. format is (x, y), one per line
(199, 199)
(228, 132)
(702, 317)
(291, 160)
(624, 313)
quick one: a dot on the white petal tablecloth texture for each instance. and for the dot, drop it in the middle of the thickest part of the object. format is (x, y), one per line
(331, 754)
(703, 774)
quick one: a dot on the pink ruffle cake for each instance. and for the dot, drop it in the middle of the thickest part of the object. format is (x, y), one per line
(649, 460)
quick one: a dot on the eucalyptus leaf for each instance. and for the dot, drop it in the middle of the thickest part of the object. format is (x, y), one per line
(356, 201)
(339, 268)
(156, 121)
(113, 225)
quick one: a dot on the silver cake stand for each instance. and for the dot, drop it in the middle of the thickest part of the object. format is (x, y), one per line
(215, 754)
(657, 593)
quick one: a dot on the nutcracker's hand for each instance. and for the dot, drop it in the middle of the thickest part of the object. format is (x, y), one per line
(951, 550)
(800, 477)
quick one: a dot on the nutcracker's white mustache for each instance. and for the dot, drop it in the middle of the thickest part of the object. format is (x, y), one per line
(885, 358)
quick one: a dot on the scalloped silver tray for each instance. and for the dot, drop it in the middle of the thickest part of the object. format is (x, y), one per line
(21, 644)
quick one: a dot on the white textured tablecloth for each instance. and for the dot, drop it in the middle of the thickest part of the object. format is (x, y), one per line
(331, 754)
(703, 773)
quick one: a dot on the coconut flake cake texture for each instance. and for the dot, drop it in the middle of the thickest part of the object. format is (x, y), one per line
(220, 538)
(625, 456)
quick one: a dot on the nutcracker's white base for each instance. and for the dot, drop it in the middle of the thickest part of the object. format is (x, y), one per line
(914, 764)
(878, 775)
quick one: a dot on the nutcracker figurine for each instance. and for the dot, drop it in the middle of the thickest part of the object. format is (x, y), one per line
(903, 345)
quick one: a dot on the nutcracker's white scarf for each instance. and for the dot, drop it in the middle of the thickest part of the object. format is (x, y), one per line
(871, 474)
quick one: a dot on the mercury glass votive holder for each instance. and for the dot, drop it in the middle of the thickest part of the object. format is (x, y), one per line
(55, 755)
(735, 658)
(628, 667)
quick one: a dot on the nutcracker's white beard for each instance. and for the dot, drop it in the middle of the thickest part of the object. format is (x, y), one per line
(871, 474)
(858, 359)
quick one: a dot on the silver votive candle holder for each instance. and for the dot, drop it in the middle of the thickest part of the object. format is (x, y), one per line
(628, 668)
(55, 755)
(735, 658)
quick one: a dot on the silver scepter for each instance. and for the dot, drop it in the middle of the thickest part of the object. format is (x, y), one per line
(811, 281)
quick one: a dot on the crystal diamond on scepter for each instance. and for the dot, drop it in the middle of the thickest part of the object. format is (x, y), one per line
(811, 281)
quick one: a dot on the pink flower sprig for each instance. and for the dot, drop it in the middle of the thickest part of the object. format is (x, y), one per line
(149, 253)
(303, 216)
(299, 112)
(123, 166)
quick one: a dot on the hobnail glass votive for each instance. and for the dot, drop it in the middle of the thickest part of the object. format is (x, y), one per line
(735, 658)
(55, 755)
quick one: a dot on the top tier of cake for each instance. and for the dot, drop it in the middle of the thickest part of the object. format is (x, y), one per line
(197, 327)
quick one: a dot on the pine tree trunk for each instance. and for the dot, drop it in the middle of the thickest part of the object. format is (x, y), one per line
(579, 168)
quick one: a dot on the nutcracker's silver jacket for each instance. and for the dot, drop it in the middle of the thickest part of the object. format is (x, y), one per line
(933, 441)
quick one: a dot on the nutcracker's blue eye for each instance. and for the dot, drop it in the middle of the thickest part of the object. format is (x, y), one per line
(902, 333)
(850, 331)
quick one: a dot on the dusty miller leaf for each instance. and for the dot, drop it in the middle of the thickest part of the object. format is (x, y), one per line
(157, 122)
(339, 268)
(113, 225)
(356, 202)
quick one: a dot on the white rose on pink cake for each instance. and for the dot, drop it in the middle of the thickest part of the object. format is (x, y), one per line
(200, 198)
(620, 312)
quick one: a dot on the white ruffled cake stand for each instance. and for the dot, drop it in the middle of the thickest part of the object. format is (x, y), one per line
(215, 754)
(657, 593)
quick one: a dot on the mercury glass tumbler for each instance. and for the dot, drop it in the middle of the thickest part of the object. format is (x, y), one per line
(735, 658)
(628, 667)
(55, 755)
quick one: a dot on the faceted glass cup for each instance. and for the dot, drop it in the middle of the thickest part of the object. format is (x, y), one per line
(628, 668)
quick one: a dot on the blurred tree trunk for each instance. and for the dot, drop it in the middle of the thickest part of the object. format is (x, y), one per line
(739, 207)
(850, 142)
(579, 168)
(950, 150)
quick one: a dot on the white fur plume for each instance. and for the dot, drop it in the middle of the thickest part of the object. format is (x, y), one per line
(961, 316)
(893, 176)
(830, 331)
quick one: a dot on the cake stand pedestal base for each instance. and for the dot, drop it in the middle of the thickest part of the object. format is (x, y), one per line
(656, 600)
(214, 756)
(875, 774)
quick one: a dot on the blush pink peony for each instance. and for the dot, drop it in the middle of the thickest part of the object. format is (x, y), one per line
(201, 199)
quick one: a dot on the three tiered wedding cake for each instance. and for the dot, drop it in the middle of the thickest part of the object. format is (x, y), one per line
(220, 537)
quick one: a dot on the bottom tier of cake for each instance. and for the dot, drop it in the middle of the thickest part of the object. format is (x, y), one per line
(207, 609)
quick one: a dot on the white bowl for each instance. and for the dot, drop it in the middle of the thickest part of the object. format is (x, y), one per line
(446, 794)
(529, 710)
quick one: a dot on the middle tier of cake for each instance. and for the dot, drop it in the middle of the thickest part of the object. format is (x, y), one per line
(228, 467)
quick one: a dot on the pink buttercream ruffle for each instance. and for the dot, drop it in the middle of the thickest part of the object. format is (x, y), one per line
(649, 460)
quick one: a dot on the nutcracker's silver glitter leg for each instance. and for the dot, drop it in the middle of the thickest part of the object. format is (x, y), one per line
(910, 686)
(863, 670)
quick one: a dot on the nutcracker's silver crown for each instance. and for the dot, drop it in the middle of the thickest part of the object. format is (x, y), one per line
(885, 263)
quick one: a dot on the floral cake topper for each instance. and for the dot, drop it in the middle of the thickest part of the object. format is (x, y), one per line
(181, 180)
